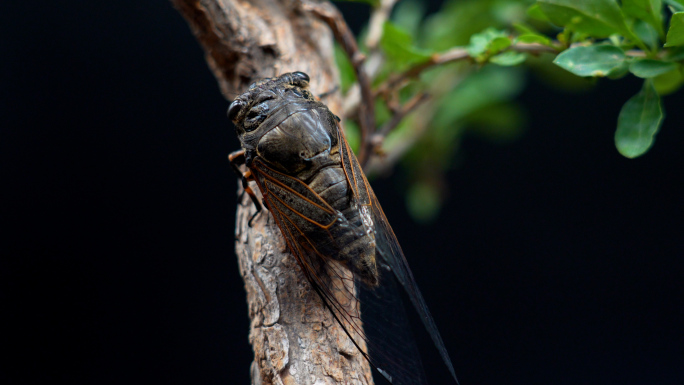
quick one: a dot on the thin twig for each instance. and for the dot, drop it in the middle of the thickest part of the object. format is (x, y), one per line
(333, 18)
(406, 109)
(453, 55)
(376, 23)
(535, 48)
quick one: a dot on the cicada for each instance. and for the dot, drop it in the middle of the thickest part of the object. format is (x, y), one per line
(312, 184)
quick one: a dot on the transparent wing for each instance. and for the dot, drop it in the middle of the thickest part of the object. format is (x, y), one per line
(391, 254)
(391, 257)
(373, 317)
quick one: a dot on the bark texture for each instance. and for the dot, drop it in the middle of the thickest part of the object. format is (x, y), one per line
(294, 337)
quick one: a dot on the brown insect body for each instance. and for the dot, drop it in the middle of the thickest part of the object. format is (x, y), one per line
(320, 199)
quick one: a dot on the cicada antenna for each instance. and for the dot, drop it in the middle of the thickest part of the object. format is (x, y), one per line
(329, 92)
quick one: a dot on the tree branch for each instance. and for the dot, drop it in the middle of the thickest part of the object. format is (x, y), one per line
(294, 337)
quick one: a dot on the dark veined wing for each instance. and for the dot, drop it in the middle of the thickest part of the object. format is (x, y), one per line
(301, 214)
(306, 220)
(391, 256)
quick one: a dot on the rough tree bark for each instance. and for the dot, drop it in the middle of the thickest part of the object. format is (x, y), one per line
(294, 337)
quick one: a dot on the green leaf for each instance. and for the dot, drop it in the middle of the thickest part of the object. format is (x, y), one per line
(408, 15)
(619, 72)
(525, 29)
(675, 36)
(488, 42)
(543, 69)
(508, 58)
(499, 44)
(352, 133)
(675, 54)
(455, 23)
(347, 73)
(678, 5)
(669, 82)
(507, 12)
(649, 68)
(650, 11)
(535, 13)
(639, 121)
(597, 18)
(595, 60)
(647, 34)
(533, 38)
(398, 45)
(490, 85)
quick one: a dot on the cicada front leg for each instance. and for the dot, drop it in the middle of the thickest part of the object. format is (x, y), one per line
(236, 159)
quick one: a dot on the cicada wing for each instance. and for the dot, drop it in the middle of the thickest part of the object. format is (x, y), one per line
(391, 345)
(392, 348)
(390, 254)
(305, 220)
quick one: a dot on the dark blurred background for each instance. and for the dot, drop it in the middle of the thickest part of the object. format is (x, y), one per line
(556, 260)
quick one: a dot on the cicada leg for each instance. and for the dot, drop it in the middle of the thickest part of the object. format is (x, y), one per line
(237, 158)
(328, 93)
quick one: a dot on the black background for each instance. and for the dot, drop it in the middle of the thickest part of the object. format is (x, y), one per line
(556, 260)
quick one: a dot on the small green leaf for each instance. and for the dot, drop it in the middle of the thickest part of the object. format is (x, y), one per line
(533, 38)
(525, 29)
(478, 45)
(669, 82)
(508, 58)
(597, 18)
(650, 11)
(647, 34)
(649, 68)
(455, 23)
(675, 54)
(675, 36)
(535, 13)
(595, 60)
(678, 5)
(352, 133)
(492, 84)
(408, 15)
(619, 72)
(639, 121)
(398, 45)
(488, 42)
(499, 44)
(557, 77)
(347, 73)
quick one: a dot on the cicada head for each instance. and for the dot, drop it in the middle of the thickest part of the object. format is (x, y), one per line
(280, 121)
(252, 108)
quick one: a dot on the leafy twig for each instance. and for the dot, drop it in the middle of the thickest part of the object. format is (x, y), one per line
(453, 55)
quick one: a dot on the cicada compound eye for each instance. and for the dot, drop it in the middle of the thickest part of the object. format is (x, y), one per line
(234, 109)
(300, 79)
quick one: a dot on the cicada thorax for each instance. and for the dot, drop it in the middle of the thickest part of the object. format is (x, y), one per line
(294, 149)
